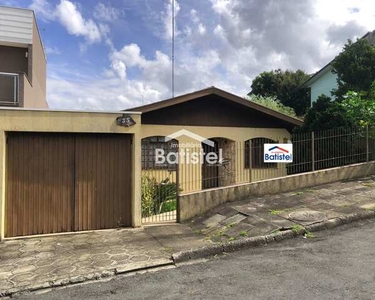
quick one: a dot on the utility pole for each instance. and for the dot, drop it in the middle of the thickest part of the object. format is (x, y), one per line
(173, 22)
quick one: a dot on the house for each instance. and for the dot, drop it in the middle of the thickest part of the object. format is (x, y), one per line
(211, 120)
(22, 60)
(65, 171)
(324, 81)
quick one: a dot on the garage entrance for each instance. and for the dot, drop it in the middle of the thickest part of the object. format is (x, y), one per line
(67, 182)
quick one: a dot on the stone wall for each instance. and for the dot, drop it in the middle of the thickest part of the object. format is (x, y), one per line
(197, 203)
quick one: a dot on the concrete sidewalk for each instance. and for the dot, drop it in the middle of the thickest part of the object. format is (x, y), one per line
(42, 262)
(269, 214)
(50, 261)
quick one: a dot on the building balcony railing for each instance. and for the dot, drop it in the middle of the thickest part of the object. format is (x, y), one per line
(9, 89)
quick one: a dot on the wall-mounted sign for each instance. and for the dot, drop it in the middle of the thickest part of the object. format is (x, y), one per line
(125, 120)
(278, 153)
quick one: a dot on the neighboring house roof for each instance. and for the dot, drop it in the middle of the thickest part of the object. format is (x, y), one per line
(221, 93)
(327, 68)
(370, 36)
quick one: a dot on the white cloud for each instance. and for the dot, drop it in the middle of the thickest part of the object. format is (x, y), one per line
(130, 55)
(75, 24)
(98, 93)
(201, 29)
(156, 72)
(119, 68)
(219, 31)
(285, 34)
(361, 11)
(226, 44)
(106, 13)
(114, 90)
(194, 16)
(52, 50)
(43, 9)
(67, 13)
(167, 19)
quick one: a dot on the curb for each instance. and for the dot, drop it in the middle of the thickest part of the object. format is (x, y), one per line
(252, 242)
(120, 270)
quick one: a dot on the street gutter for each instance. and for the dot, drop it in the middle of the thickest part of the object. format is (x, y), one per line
(251, 242)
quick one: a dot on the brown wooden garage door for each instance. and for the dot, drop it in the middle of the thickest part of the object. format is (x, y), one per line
(67, 182)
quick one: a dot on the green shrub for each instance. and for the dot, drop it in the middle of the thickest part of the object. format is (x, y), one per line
(158, 197)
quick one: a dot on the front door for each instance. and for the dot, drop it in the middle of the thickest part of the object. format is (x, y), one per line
(210, 172)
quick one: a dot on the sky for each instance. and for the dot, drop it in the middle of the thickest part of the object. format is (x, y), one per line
(116, 54)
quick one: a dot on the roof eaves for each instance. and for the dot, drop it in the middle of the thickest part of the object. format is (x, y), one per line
(221, 93)
(328, 67)
(258, 107)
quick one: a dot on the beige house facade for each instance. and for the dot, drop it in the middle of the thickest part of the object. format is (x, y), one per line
(68, 171)
(213, 114)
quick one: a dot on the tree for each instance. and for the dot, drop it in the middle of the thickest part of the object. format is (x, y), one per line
(354, 110)
(355, 68)
(285, 86)
(272, 103)
(360, 110)
(326, 114)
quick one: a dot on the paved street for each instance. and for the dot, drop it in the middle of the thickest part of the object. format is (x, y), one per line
(337, 264)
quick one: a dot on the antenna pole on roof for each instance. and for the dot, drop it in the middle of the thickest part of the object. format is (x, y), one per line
(173, 21)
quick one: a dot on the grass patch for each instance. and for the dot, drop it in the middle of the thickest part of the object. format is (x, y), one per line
(276, 232)
(244, 233)
(232, 238)
(275, 212)
(198, 231)
(220, 233)
(297, 228)
(300, 193)
(229, 225)
(309, 235)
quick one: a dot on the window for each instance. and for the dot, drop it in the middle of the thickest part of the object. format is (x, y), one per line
(257, 153)
(149, 146)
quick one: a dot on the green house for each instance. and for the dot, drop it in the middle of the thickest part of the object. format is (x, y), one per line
(324, 81)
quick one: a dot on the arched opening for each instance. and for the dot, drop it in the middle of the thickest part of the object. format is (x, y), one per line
(153, 148)
(222, 171)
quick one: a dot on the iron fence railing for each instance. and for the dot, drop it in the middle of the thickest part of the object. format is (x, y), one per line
(243, 162)
(9, 88)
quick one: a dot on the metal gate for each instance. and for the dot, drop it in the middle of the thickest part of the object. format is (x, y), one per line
(160, 186)
(210, 172)
(67, 182)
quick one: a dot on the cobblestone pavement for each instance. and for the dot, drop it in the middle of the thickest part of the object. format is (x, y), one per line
(264, 215)
(59, 260)
(32, 263)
